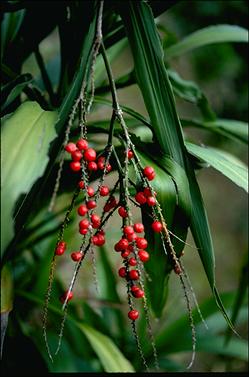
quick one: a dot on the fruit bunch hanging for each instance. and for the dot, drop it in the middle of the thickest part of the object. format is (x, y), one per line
(89, 165)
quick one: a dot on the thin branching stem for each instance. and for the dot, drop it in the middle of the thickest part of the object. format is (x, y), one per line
(124, 193)
(191, 320)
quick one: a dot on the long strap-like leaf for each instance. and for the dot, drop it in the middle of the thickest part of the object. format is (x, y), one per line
(154, 84)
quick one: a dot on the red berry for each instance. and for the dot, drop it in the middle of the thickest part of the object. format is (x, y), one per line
(141, 243)
(138, 293)
(95, 225)
(102, 232)
(134, 288)
(138, 227)
(104, 190)
(122, 212)
(177, 269)
(76, 256)
(131, 247)
(64, 297)
(95, 240)
(143, 255)
(90, 154)
(125, 253)
(133, 315)
(82, 210)
(92, 166)
(70, 147)
(91, 204)
(82, 144)
(148, 170)
(59, 250)
(140, 198)
(75, 165)
(84, 224)
(90, 191)
(108, 168)
(151, 176)
(98, 240)
(123, 244)
(117, 247)
(83, 231)
(101, 163)
(62, 244)
(113, 201)
(132, 262)
(133, 275)
(128, 229)
(110, 204)
(122, 272)
(157, 226)
(131, 237)
(107, 207)
(77, 155)
(81, 184)
(151, 201)
(101, 239)
(130, 154)
(147, 191)
(95, 221)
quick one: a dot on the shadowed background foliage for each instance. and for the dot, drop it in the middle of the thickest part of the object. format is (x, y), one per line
(49, 75)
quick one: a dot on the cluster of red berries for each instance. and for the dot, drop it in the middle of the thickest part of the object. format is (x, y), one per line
(127, 245)
(131, 246)
(81, 151)
(60, 248)
(146, 196)
(82, 154)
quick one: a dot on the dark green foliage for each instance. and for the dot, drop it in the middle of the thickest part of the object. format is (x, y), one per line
(35, 109)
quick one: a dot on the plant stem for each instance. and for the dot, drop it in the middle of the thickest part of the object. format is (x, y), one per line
(111, 129)
(115, 104)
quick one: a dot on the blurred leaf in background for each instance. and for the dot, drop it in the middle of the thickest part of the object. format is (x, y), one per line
(183, 87)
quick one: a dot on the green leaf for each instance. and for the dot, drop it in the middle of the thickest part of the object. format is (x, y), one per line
(107, 278)
(166, 338)
(158, 97)
(17, 87)
(7, 296)
(158, 265)
(110, 356)
(26, 137)
(208, 35)
(236, 348)
(152, 78)
(7, 289)
(112, 54)
(229, 127)
(108, 353)
(60, 125)
(167, 342)
(222, 161)
(240, 295)
(125, 109)
(233, 129)
(182, 210)
(10, 26)
(190, 91)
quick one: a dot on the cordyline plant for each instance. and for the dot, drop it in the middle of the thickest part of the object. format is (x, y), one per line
(157, 177)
